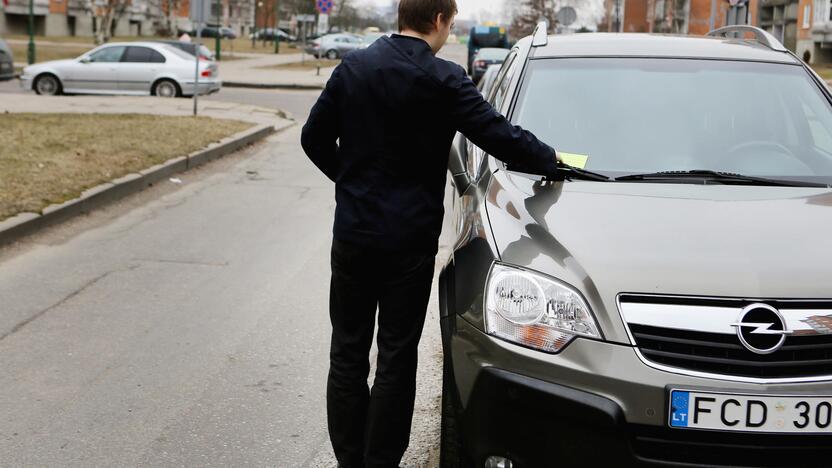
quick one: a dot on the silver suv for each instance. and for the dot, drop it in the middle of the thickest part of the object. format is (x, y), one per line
(666, 299)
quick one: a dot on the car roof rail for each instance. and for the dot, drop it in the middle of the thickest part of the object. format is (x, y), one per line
(763, 37)
(540, 36)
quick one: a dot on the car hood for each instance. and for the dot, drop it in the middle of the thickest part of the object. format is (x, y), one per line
(49, 64)
(704, 240)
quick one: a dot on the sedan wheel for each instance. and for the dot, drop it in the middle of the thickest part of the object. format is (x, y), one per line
(332, 54)
(48, 85)
(166, 89)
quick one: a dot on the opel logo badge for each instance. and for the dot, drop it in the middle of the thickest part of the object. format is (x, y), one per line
(761, 328)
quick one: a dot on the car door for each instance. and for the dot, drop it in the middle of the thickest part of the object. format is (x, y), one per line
(352, 43)
(339, 43)
(496, 98)
(138, 68)
(96, 72)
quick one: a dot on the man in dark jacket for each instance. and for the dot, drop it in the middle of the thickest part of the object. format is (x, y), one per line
(382, 130)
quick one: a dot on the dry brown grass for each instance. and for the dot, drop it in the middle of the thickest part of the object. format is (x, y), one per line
(825, 71)
(51, 158)
(69, 46)
(44, 53)
(244, 45)
(309, 64)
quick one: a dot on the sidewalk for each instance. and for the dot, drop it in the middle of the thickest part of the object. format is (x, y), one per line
(30, 102)
(250, 72)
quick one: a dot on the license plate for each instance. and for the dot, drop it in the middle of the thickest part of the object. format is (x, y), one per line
(750, 413)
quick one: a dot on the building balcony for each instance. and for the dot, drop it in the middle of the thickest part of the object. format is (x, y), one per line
(21, 7)
(822, 31)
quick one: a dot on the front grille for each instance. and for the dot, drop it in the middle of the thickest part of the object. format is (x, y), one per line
(666, 445)
(717, 353)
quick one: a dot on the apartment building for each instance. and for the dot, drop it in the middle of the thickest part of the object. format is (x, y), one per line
(132, 17)
(804, 26)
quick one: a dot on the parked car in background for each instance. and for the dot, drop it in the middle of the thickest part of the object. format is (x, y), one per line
(6, 61)
(334, 46)
(369, 38)
(191, 48)
(672, 307)
(268, 34)
(484, 59)
(137, 68)
(213, 31)
(487, 81)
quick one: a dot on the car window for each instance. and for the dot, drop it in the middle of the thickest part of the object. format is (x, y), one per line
(181, 53)
(498, 89)
(502, 82)
(135, 54)
(637, 115)
(107, 54)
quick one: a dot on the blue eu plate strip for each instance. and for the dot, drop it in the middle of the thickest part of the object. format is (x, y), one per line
(679, 408)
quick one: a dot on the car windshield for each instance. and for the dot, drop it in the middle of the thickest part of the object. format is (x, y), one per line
(633, 115)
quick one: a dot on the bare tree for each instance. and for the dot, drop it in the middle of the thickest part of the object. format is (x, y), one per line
(527, 13)
(346, 15)
(105, 15)
(172, 8)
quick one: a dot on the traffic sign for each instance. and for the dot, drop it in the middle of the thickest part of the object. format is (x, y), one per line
(324, 6)
(200, 12)
(567, 15)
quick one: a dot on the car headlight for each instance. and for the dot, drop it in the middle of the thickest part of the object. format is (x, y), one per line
(535, 311)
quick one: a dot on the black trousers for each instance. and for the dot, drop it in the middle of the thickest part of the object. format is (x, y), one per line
(372, 427)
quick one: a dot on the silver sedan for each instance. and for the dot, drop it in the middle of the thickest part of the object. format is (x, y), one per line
(135, 68)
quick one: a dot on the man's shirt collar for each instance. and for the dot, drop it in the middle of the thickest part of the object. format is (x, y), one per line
(411, 41)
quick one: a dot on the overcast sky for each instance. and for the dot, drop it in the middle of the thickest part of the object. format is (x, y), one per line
(467, 8)
(589, 11)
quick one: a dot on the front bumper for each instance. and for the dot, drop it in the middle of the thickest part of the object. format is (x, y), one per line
(596, 403)
(26, 82)
(205, 87)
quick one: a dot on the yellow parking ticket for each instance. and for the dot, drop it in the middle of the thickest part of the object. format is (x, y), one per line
(574, 159)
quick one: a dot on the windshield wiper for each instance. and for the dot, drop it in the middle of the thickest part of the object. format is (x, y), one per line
(567, 172)
(725, 177)
(563, 172)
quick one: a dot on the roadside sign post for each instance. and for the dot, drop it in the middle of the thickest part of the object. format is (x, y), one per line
(304, 21)
(199, 12)
(196, 69)
(31, 50)
(324, 8)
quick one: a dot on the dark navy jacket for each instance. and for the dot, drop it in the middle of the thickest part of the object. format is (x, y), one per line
(382, 130)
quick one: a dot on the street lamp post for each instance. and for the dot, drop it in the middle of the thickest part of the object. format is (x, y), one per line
(219, 31)
(31, 51)
(254, 29)
(276, 26)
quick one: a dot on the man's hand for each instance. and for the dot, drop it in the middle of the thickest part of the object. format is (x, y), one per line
(558, 160)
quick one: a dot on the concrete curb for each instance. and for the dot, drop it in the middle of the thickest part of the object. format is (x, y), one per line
(290, 86)
(24, 224)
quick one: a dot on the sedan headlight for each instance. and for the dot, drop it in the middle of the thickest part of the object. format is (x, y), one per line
(535, 311)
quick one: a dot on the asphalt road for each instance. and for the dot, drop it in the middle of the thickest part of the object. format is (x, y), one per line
(186, 325)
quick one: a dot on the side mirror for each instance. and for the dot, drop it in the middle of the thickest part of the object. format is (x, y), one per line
(456, 165)
(85, 60)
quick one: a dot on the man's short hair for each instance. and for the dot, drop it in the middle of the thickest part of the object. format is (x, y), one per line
(419, 15)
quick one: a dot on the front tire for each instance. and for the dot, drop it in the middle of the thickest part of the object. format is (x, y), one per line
(166, 88)
(48, 84)
(450, 442)
(332, 54)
